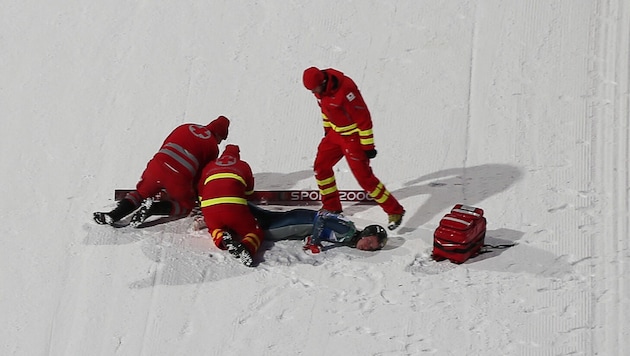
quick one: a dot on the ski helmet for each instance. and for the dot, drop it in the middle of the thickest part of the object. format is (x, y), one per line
(375, 230)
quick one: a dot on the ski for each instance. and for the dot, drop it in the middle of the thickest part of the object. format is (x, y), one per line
(290, 197)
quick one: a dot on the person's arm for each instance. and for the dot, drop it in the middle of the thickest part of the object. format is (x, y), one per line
(249, 181)
(333, 228)
(355, 107)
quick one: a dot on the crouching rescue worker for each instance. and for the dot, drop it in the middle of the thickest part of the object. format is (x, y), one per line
(173, 173)
(224, 188)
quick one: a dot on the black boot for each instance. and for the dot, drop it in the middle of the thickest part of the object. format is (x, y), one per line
(150, 208)
(124, 208)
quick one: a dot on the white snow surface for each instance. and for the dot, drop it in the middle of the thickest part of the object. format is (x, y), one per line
(517, 107)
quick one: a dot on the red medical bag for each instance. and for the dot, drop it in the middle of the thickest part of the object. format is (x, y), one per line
(460, 235)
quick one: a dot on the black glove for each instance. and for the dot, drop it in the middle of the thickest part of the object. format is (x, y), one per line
(370, 153)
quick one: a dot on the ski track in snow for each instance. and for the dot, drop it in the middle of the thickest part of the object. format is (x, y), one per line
(610, 110)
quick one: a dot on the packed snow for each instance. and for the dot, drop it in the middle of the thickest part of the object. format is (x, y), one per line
(518, 107)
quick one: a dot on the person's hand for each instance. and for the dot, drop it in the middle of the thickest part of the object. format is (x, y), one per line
(370, 153)
(311, 247)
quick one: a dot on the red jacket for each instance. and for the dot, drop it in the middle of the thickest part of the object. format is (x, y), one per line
(225, 186)
(226, 180)
(189, 147)
(343, 109)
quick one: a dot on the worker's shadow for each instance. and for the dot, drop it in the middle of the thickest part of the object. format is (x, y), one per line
(470, 185)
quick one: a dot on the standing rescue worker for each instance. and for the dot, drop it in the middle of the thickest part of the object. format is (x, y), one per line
(224, 188)
(173, 173)
(347, 132)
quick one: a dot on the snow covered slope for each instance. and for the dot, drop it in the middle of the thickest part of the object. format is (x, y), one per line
(519, 107)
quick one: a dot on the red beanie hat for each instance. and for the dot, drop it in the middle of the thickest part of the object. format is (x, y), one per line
(219, 127)
(312, 78)
(232, 150)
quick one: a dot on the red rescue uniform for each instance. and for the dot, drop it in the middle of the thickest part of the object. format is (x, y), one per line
(171, 174)
(176, 167)
(347, 133)
(224, 188)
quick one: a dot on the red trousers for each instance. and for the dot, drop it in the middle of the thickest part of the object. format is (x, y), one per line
(236, 218)
(330, 150)
(178, 186)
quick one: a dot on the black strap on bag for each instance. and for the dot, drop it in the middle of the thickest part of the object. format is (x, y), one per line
(489, 248)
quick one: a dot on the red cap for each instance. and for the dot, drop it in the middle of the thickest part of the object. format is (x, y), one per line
(232, 150)
(312, 78)
(219, 127)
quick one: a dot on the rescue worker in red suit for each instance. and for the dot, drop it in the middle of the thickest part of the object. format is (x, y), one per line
(173, 173)
(225, 186)
(347, 132)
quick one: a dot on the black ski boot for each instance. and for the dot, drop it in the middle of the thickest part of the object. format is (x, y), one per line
(124, 208)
